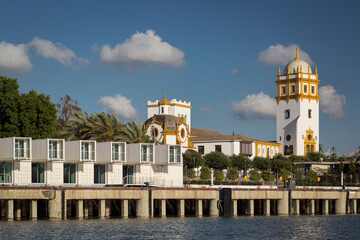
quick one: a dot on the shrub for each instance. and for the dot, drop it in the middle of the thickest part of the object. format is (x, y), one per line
(219, 175)
(193, 160)
(267, 175)
(255, 175)
(299, 175)
(191, 173)
(232, 173)
(205, 173)
(311, 177)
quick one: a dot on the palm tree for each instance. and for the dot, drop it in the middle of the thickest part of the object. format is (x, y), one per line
(105, 127)
(134, 133)
(77, 128)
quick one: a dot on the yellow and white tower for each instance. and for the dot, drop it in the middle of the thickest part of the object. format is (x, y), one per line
(297, 114)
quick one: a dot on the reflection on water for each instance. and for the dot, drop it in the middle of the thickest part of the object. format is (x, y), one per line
(295, 227)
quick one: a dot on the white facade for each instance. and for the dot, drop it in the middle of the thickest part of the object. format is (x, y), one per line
(297, 113)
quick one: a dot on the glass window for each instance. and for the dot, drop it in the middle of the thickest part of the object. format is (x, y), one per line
(52, 149)
(312, 89)
(69, 173)
(99, 174)
(19, 148)
(217, 148)
(283, 90)
(201, 149)
(115, 151)
(172, 151)
(5, 172)
(305, 89)
(293, 89)
(85, 150)
(37, 172)
(309, 113)
(143, 153)
(287, 114)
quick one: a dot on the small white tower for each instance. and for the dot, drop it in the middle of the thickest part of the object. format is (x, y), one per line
(297, 114)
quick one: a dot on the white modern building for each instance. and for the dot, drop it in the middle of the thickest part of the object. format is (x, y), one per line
(86, 163)
(297, 115)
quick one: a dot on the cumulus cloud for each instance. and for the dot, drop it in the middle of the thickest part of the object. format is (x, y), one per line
(142, 50)
(331, 102)
(120, 105)
(256, 106)
(235, 71)
(14, 58)
(210, 110)
(281, 55)
(57, 51)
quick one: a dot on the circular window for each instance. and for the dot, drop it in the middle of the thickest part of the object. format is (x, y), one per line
(182, 133)
(155, 132)
(288, 138)
(309, 137)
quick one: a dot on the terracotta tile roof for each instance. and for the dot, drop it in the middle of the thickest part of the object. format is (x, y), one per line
(198, 135)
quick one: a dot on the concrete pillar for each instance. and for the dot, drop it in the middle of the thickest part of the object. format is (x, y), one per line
(125, 208)
(181, 208)
(199, 208)
(107, 208)
(102, 208)
(355, 206)
(251, 207)
(267, 207)
(213, 211)
(142, 204)
(163, 208)
(325, 207)
(18, 210)
(235, 207)
(283, 204)
(86, 208)
(340, 204)
(10, 210)
(297, 207)
(55, 206)
(33, 209)
(312, 206)
(79, 209)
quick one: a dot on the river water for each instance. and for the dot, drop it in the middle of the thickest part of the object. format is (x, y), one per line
(274, 227)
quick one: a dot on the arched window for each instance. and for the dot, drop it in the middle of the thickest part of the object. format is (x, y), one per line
(308, 149)
(268, 153)
(291, 149)
(286, 150)
(312, 148)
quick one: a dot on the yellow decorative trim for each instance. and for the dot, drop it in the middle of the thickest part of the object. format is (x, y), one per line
(171, 104)
(297, 54)
(311, 142)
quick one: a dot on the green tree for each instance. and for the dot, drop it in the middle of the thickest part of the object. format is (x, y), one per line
(191, 173)
(105, 127)
(255, 175)
(296, 158)
(9, 102)
(279, 162)
(240, 161)
(316, 157)
(78, 128)
(311, 177)
(267, 175)
(261, 163)
(37, 115)
(66, 108)
(219, 175)
(352, 167)
(232, 173)
(285, 173)
(341, 166)
(333, 156)
(298, 175)
(205, 173)
(193, 160)
(134, 133)
(217, 160)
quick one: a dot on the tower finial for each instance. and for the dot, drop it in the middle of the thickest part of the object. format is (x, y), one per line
(164, 96)
(279, 71)
(297, 54)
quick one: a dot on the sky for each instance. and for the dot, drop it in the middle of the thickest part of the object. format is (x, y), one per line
(223, 56)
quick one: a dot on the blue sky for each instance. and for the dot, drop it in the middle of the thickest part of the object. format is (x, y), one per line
(222, 56)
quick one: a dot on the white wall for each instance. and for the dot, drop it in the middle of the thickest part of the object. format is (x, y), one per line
(85, 173)
(54, 173)
(22, 172)
(114, 173)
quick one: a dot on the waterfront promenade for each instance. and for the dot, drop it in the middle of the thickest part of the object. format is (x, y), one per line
(18, 203)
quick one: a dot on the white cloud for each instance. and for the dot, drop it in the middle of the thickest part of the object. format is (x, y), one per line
(57, 51)
(141, 50)
(14, 58)
(120, 105)
(210, 110)
(331, 102)
(256, 106)
(235, 71)
(280, 55)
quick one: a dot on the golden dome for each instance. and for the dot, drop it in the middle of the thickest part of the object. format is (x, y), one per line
(164, 101)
